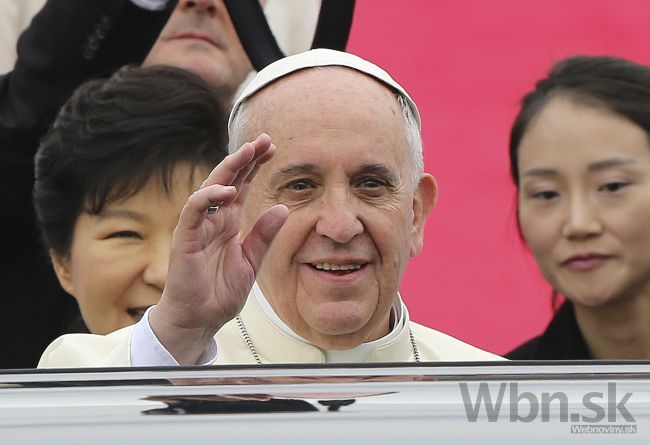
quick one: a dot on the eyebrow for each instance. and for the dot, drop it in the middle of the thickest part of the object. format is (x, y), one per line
(615, 162)
(291, 171)
(295, 169)
(121, 214)
(298, 169)
(379, 170)
(595, 166)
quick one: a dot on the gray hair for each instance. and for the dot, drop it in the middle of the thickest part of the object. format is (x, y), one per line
(413, 139)
(239, 132)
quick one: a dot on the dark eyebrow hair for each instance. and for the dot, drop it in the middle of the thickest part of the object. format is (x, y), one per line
(541, 172)
(291, 171)
(298, 169)
(595, 166)
(379, 170)
(294, 169)
(121, 214)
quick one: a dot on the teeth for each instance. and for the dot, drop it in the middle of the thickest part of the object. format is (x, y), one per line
(328, 266)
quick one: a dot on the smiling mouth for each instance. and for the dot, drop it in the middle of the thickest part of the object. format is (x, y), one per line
(338, 269)
(137, 312)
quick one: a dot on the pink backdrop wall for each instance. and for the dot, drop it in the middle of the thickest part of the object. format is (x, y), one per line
(467, 63)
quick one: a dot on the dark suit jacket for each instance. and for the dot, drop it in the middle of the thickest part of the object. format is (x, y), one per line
(68, 42)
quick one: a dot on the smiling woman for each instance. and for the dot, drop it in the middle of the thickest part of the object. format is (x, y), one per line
(580, 157)
(112, 176)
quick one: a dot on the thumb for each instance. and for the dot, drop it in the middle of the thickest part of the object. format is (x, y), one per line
(259, 240)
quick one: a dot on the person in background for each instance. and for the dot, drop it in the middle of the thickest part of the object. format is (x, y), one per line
(292, 23)
(68, 42)
(293, 251)
(580, 158)
(112, 175)
(200, 37)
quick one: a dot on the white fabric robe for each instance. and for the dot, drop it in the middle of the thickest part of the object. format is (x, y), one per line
(271, 343)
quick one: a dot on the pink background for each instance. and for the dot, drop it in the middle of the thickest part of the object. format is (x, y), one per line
(467, 63)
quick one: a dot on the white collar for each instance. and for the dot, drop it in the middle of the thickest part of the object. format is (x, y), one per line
(359, 353)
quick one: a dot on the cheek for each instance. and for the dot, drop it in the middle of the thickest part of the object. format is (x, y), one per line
(538, 233)
(396, 218)
(102, 280)
(631, 226)
(392, 233)
(158, 51)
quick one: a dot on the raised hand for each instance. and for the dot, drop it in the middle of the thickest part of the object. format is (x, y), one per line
(211, 268)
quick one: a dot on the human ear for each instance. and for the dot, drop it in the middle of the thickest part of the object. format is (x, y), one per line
(424, 199)
(62, 270)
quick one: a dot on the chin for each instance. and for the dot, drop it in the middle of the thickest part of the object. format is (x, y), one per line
(195, 61)
(340, 332)
(338, 318)
(590, 298)
(337, 341)
(336, 328)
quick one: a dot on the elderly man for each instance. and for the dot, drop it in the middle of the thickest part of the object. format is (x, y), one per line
(292, 251)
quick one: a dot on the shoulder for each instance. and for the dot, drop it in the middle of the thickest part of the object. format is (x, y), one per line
(562, 340)
(529, 350)
(88, 350)
(435, 345)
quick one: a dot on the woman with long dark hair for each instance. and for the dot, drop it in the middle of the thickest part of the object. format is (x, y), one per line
(580, 158)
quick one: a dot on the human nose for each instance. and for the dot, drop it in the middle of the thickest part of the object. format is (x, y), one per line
(338, 219)
(582, 219)
(199, 6)
(155, 272)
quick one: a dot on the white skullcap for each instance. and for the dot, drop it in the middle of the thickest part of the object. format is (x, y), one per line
(313, 58)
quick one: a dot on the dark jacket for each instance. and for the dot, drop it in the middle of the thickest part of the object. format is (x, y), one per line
(68, 42)
(562, 340)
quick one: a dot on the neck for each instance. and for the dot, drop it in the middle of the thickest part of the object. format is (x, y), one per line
(619, 330)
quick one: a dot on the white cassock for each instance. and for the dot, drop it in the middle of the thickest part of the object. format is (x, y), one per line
(268, 337)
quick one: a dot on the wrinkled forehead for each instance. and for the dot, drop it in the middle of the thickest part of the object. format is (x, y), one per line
(331, 119)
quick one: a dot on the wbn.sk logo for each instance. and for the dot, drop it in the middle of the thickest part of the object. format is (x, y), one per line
(597, 405)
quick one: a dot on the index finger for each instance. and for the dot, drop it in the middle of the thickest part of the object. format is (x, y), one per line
(227, 171)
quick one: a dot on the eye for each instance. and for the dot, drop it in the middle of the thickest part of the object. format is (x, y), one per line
(372, 182)
(124, 234)
(299, 185)
(612, 186)
(545, 195)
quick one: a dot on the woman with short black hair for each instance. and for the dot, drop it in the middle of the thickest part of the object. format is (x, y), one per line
(112, 175)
